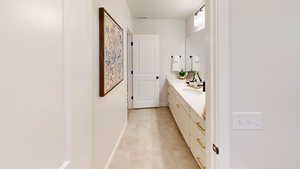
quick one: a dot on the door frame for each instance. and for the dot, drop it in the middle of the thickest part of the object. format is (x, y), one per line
(219, 84)
(129, 68)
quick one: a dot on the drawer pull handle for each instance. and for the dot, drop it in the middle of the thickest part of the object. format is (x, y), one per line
(201, 128)
(201, 144)
(200, 163)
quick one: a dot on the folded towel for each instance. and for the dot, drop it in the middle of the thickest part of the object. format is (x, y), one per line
(196, 63)
(196, 59)
(177, 63)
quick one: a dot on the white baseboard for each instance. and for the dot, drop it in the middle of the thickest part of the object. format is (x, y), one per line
(115, 147)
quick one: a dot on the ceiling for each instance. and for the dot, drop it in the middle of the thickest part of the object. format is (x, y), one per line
(176, 9)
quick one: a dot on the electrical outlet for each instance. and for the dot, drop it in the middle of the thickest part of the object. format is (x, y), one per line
(247, 121)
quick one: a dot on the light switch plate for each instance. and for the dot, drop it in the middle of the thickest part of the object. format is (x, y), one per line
(247, 121)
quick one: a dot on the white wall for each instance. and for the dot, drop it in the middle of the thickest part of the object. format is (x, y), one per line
(46, 84)
(49, 90)
(172, 42)
(78, 64)
(31, 87)
(264, 58)
(110, 116)
(198, 44)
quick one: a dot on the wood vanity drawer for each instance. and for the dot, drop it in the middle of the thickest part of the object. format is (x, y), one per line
(172, 91)
(175, 99)
(196, 117)
(199, 146)
(199, 154)
(169, 90)
(181, 101)
(198, 128)
(171, 103)
(172, 107)
(201, 164)
(172, 100)
(180, 115)
(183, 120)
(176, 110)
(198, 133)
(185, 106)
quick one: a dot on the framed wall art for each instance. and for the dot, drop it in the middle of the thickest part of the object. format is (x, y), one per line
(111, 53)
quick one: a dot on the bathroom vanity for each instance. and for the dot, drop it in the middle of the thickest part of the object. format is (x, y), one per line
(188, 108)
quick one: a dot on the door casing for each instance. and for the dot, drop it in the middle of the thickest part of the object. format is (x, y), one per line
(129, 68)
(219, 85)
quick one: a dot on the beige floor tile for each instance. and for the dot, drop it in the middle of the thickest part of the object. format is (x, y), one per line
(152, 141)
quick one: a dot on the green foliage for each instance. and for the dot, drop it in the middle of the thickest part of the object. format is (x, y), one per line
(182, 73)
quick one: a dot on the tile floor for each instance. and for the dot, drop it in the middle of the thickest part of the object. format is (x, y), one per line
(152, 141)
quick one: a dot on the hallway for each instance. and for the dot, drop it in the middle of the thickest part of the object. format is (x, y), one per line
(152, 141)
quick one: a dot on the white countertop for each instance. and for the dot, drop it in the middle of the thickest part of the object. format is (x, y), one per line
(195, 98)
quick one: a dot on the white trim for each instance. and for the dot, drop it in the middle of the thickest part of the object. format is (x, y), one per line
(66, 83)
(129, 69)
(64, 165)
(211, 115)
(115, 147)
(221, 82)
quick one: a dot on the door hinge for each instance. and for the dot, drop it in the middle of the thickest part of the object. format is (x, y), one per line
(131, 43)
(131, 97)
(216, 149)
(131, 72)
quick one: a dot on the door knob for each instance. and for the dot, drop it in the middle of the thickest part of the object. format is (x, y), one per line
(157, 77)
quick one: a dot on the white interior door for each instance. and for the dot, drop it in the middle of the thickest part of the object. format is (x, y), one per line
(145, 71)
